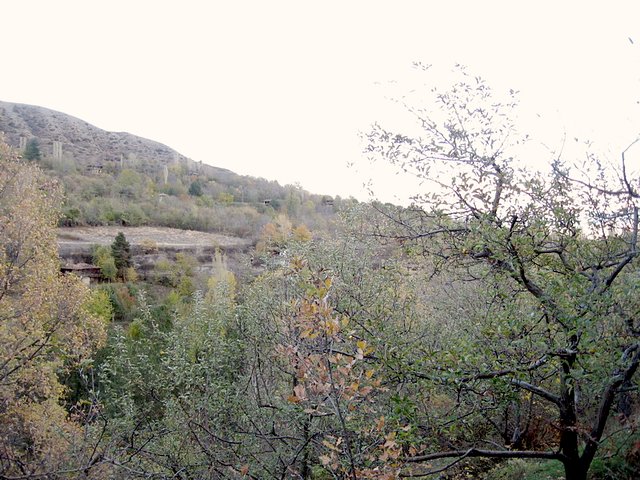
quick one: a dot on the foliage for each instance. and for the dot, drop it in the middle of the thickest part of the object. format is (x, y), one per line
(332, 377)
(279, 232)
(48, 324)
(554, 260)
(130, 275)
(195, 189)
(70, 217)
(178, 274)
(308, 321)
(149, 246)
(32, 150)
(121, 252)
(128, 184)
(98, 304)
(222, 279)
(488, 330)
(123, 301)
(518, 468)
(175, 387)
(301, 233)
(102, 257)
(215, 202)
(225, 197)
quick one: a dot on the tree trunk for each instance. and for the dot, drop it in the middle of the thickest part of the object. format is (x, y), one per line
(306, 470)
(575, 470)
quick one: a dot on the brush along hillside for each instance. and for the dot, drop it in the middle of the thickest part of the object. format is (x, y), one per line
(115, 178)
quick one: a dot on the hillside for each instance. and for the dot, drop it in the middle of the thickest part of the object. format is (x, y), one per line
(119, 179)
(86, 144)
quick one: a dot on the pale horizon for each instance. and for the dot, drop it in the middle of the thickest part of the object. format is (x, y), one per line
(281, 90)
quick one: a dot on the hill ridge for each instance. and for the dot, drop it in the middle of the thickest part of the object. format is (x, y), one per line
(83, 142)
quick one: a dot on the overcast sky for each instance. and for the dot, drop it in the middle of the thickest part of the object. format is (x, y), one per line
(280, 89)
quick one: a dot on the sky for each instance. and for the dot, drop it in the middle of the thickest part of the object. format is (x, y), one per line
(282, 89)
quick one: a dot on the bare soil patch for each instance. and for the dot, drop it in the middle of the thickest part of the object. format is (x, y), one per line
(163, 237)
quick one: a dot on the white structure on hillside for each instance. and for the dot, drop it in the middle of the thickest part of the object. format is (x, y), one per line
(57, 150)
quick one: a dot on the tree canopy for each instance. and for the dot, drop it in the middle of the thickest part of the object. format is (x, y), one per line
(32, 150)
(121, 252)
(48, 325)
(554, 257)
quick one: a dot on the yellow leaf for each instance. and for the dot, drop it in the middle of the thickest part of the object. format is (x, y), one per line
(330, 445)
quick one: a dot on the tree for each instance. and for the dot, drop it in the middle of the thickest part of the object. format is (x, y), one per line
(318, 327)
(32, 150)
(102, 257)
(121, 251)
(173, 394)
(195, 189)
(47, 328)
(275, 234)
(129, 184)
(301, 233)
(555, 260)
(179, 274)
(331, 378)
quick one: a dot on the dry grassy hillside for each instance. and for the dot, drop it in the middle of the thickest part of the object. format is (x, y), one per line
(84, 143)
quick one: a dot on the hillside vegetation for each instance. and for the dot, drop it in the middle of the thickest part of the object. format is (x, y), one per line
(491, 330)
(114, 178)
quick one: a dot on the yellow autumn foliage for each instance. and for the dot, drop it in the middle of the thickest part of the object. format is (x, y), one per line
(222, 280)
(45, 326)
(276, 234)
(302, 234)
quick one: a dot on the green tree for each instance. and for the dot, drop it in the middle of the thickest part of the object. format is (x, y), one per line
(103, 258)
(195, 189)
(225, 198)
(129, 184)
(173, 396)
(121, 252)
(554, 341)
(32, 150)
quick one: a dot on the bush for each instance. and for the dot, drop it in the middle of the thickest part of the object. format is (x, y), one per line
(103, 258)
(195, 189)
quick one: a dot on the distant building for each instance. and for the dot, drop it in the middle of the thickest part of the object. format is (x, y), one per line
(88, 273)
(95, 169)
